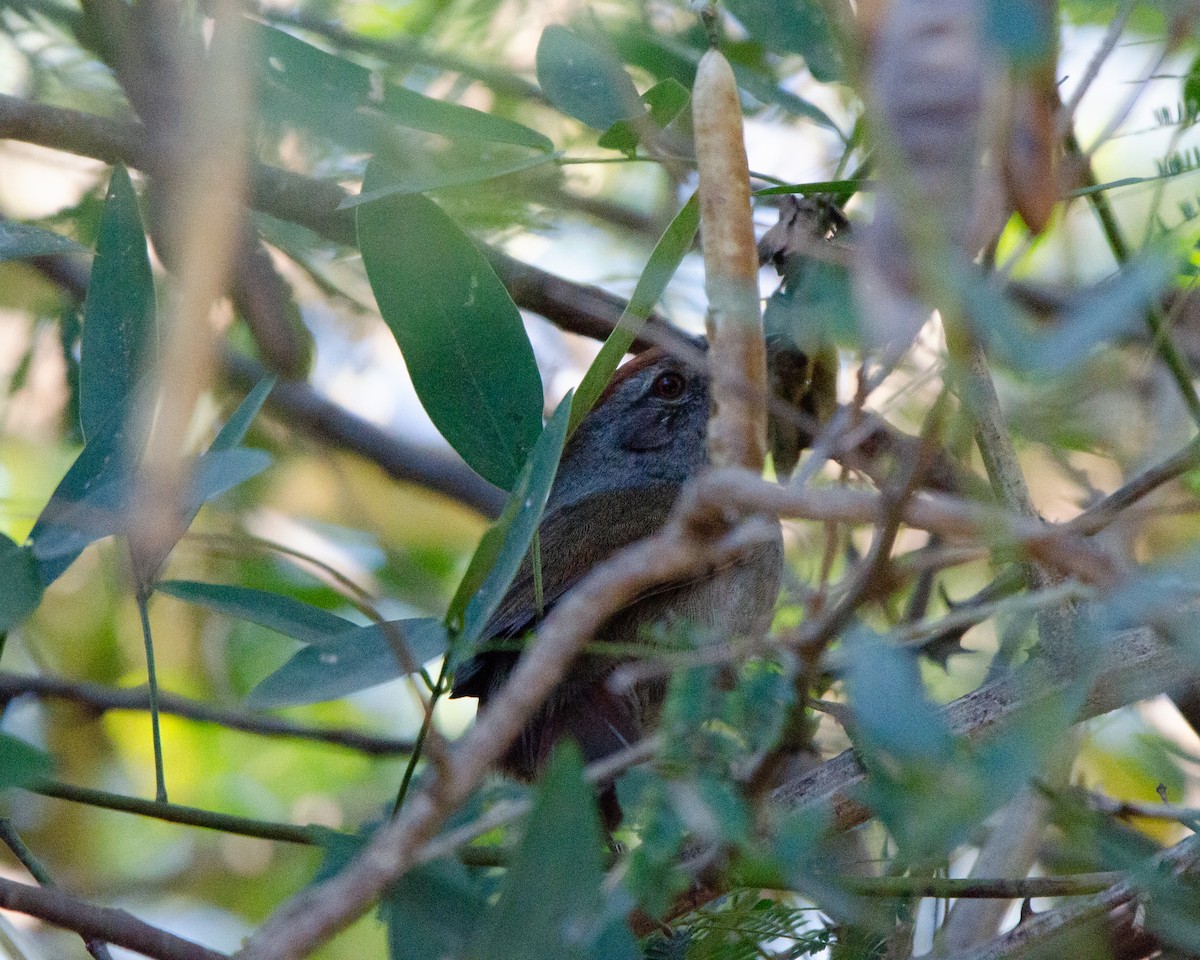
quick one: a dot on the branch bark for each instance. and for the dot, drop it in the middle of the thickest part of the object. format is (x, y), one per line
(101, 699)
(314, 203)
(117, 927)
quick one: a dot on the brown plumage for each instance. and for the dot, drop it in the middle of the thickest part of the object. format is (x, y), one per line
(618, 480)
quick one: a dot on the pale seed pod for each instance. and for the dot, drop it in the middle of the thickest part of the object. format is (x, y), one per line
(737, 355)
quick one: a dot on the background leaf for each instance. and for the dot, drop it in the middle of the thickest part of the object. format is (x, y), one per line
(120, 335)
(354, 660)
(20, 585)
(664, 260)
(795, 26)
(283, 614)
(86, 504)
(310, 87)
(432, 911)
(21, 763)
(19, 241)
(461, 335)
(584, 80)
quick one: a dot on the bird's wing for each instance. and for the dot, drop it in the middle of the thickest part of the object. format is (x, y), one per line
(573, 540)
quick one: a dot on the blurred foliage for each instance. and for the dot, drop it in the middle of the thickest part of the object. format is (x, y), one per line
(474, 126)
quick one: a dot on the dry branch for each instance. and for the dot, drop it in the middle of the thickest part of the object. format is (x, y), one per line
(117, 927)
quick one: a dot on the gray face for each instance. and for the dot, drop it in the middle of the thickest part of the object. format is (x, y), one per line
(647, 431)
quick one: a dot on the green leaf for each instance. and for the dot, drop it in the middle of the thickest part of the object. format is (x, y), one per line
(419, 112)
(666, 101)
(21, 764)
(622, 136)
(20, 585)
(87, 503)
(19, 241)
(307, 86)
(505, 545)
(460, 332)
(234, 431)
(841, 188)
(891, 709)
(665, 56)
(584, 80)
(814, 306)
(551, 903)
(356, 659)
(119, 332)
(794, 26)
(664, 260)
(292, 618)
(423, 182)
(1111, 309)
(432, 911)
(219, 471)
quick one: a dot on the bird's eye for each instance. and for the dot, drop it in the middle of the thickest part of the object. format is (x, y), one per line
(669, 385)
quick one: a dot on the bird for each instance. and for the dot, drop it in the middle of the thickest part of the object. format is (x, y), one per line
(618, 479)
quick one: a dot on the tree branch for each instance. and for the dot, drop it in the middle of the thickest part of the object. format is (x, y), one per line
(117, 927)
(99, 698)
(299, 406)
(314, 203)
(696, 537)
(178, 813)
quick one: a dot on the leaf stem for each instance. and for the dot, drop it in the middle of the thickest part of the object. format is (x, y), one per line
(419, 744)
(160, 779)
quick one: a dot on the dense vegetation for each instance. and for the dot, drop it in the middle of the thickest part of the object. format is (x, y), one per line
(242, 556)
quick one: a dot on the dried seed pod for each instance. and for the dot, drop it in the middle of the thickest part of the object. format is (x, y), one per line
(737, 355)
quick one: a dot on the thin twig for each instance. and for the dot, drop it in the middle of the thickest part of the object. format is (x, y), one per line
(177, 813)
(99, 698)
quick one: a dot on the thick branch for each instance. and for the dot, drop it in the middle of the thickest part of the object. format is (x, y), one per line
(100, 923)
(1133, 666)
(300, 406)
(313, 203)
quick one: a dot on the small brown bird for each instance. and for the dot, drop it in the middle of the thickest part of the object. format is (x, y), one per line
(620, 475)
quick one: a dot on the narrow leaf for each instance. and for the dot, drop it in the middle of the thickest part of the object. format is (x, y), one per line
(341, 96)
(19, 241)
(356, 659)
(551, 903)
(891, 709)
(20, 585)
(506, 544)
(664, 260)
(584, 80)
(234, 431)
(460, 332)
(219, 471)
(798, 26)
(87, 503)
(286, 615)
(439, 180)
(432, 911)
(119, 332)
